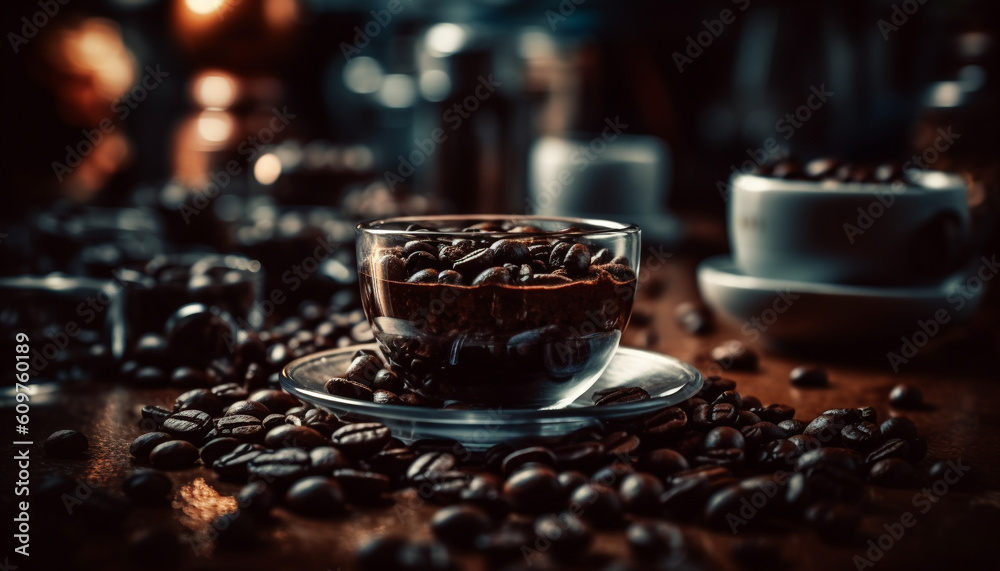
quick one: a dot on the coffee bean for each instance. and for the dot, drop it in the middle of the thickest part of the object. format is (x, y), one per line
(892, 473)
(620, 444)
(690, 489)
(508, 251)
(66, 444)
(724, 437)
(188, 377)
(598, 504)
(612, 474)
(906, 397)
(954, 473)
(199, 399)
(584, 456)
(276, 401)
(147, 487)
(233, 466)
(418, 246)
(729, 457)
(571, 480)
(430, 463)
(149, 376)
(750, 402)
(243, 407)
(841, 458)
(622, 395)
(577, 260)
(459, 525)
(442, 487)
(715, 386)
(533, 455)
(155, 414)
(495, 275)
(775, 413)
(792, 426)
(473, 264)
(191, 425)
(361, 487)
(256, 499)
(640, 493)
(324, 460)
(316, 496)
(662, 462)
(144, 444)
(820, 168)
(760, 433)
(568, 536)
(279, 468)
(288, 435)
(386, 397)
(735, 355)
(242, 427)
(391, 267)
(349, 389)
(386, 380)
(709, 416)
(217, 448)
(863, 437)
(173, 455)
(892, 448)
(533, 490)
(826, 428)
(653, 540)
(776, 455)
(664, 425)
(898, 427)
(361, 440)
(805, 376)
(363, 369)
(549, 279)
(558, 255)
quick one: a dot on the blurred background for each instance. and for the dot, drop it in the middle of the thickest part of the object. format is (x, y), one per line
(135, 128)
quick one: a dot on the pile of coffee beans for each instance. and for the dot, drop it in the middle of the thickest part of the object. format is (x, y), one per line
(831, 169)
(538, 259)
(699, 461)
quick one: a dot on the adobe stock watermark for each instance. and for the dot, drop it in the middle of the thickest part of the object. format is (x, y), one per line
(454, 117)
(885, 198)
(564, 10)
(250, 147)
(786, 126)
(900, 16)
(698, 43)
(922, 502)
(363, 35)
(31, 25)
(122, 108)
(928, 329)
(580, 159)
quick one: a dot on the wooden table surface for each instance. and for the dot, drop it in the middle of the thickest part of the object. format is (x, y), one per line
(958, 531)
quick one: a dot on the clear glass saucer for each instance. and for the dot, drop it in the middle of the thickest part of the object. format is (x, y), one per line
(668, 381)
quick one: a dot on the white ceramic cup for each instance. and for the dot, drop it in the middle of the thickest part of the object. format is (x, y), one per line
(849, 233)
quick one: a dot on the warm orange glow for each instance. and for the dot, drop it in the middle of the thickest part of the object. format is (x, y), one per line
(214, 91)
(203, 6)
(267, 169)
(215, 126)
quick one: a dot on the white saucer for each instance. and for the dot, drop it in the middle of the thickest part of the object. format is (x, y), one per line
(795, 313)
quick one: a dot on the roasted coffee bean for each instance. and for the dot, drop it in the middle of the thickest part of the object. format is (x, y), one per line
(230, 392)
(621, 272)
(442, 487)
(612, 474)
(550, 279)
(730, 397)
(776, 455)
(695, 319)
(805, 376)
(662, 426)
(957, 475)
(577, 260)
(585, 456)
(256, 499)
(653, 540)
(450, 277)
(571, 480)
(361, 440)
(906, 397)
(735, 355)
(316, 496)
(640, 493)
(361, 487)
(892, 448)
(66, 444)
(728, 457)
(188, 377)
(155, 414)
(804, 443)
(842, 458)
(386, 380)
(724, 437)
(392, 268)
(418, 246)
(495, 275)
(690, 489)
(892, 473)
(273, 420)
(834, 518)
(603, 256)
(278, 402)
(144, 444)
(558, 255)
(458, 526)
(191, 425)
(279, 468)
(430, 463)
(826, 428)
(149, 376)
(715, 386)
(712, 415)
(233, 466)
(533, 490)
(217, 448)
(473, 264)
(349, 389)
(760, 433)
(846, 415)
(620, 444)
(147, 487)
(821, 168)
(750, 402)
(425, 445)
(623, 395)
(363, 369)
(493, 459)
(746, 418)
(898, 427)
(598, 504)
(863, 437)
(533, 455)
(291, 436)
(386, 397)
(725, 502)
(199, 399)
(568, 536)
(775, 413)
(243, 427)
(150, 348)
(662, 463)
(325, 459)
(175, 454)
(792, 426)
(508, 251)
(315, 415)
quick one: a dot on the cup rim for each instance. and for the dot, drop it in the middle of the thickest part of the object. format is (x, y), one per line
(608, 227)
(919, 181)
